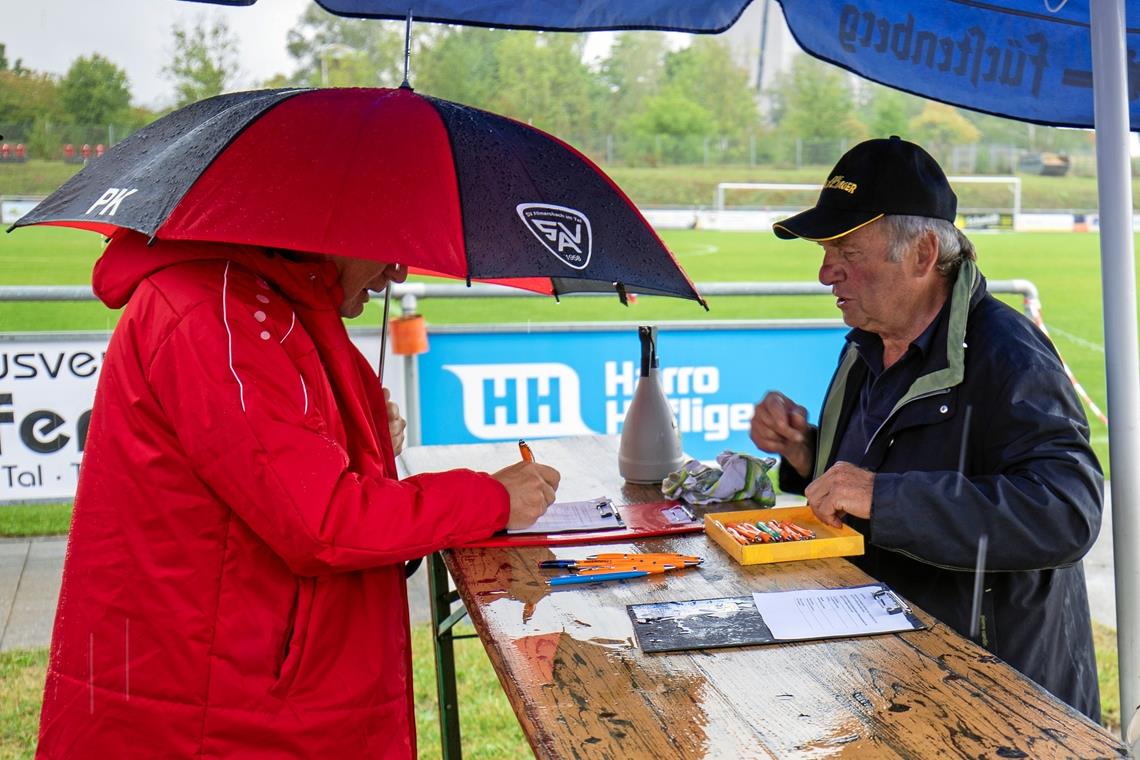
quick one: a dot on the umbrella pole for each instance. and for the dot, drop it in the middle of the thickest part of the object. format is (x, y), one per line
(407, 48)
(384, 332)
(1118, 282)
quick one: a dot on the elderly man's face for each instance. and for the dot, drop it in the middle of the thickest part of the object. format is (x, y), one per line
(870, 290)
(358, 276)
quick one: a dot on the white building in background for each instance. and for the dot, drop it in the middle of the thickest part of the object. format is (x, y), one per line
(761, 43)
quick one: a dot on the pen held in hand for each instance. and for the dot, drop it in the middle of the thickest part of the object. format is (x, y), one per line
(524, 450)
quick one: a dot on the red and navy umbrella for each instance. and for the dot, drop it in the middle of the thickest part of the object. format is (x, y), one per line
(384, 174)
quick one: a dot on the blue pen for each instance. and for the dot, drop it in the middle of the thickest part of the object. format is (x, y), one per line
(566, 580)
(548, 563)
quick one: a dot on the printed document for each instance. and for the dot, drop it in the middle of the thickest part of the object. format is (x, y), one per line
(568, 516)
(824, 613)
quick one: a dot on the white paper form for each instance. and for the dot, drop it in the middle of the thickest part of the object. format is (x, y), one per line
(568, 516)
(824, 613)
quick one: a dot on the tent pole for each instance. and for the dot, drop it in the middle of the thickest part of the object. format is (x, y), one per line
(1118, 282)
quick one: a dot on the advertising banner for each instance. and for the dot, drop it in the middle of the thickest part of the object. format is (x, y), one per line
(555, 380)
(476, 383)
(47, 387)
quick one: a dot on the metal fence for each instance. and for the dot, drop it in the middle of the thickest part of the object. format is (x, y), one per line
(50, 141)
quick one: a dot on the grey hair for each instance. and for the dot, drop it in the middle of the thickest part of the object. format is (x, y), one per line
(953, 246)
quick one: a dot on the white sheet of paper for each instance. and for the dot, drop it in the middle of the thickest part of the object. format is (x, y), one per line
(822, 613)
(567, 516)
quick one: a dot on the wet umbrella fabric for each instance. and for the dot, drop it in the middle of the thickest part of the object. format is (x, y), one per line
(383, 174)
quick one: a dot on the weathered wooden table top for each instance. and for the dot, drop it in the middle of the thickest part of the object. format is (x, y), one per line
(569, 663)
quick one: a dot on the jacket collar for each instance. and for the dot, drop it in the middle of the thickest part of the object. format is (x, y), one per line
(948, 364)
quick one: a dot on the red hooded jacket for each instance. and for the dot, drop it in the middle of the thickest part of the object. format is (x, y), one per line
(234, 582)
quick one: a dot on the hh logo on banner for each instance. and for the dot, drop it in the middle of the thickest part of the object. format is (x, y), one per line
(562, 231)
(520, 400)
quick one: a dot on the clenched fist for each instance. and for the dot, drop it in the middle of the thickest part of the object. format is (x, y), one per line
(843, 490)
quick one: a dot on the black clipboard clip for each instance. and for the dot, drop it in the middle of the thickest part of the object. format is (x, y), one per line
(606, 509)
(892, 603)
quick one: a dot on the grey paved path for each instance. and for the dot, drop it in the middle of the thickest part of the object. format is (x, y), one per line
(30, 574)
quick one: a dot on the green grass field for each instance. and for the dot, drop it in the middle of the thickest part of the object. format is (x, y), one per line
(489, 727)
(1065, 268)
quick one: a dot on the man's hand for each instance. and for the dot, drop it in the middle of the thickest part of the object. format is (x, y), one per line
(397, 425)
(780, 425)
(843, 490)
(531, 487)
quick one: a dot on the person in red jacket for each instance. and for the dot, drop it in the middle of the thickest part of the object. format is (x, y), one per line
(234, 581)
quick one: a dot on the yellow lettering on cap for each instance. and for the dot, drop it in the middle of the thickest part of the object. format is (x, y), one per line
(838, 183)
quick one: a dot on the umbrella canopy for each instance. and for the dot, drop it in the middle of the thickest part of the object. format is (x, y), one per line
(383, 174)
(709, 17)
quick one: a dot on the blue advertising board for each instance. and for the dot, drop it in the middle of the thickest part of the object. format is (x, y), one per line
(500, 383)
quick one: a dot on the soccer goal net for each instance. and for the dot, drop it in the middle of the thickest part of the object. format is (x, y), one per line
(976, 194)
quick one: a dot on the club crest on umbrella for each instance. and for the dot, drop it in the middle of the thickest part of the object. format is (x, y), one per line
(563, 231)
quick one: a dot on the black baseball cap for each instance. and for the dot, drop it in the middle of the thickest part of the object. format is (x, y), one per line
(875, 178)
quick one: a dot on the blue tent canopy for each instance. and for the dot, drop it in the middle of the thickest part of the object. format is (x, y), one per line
(1013, 59)
(701, 17)
(1023, 59)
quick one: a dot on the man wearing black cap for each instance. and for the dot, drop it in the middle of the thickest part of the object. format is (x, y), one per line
(949, 417)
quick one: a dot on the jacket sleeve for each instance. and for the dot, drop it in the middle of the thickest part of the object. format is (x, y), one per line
(1035, 487)
(248, 427)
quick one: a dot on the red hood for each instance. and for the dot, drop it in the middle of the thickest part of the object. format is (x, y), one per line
(128, 260)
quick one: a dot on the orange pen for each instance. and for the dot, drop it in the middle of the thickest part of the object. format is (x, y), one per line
(686, 558)
(527, 454)
(625, 568)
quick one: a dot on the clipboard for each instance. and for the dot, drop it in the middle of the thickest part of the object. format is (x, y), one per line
(639, 521)
(575, 516)
(737, 621)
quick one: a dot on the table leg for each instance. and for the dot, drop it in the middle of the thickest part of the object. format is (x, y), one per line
(441, 598)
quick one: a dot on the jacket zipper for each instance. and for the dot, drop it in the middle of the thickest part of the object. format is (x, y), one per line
(903, 551)
(891, 416)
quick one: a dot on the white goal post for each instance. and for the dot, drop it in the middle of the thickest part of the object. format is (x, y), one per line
(1013, 182)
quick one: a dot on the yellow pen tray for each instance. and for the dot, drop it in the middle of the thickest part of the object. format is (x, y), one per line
(828, 542)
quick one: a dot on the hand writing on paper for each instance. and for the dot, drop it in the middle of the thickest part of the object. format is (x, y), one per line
(843, 490)
(397, 425)
(780, 425)
(531, 487)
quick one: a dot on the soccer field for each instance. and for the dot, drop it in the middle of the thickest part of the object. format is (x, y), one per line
(1065, 267)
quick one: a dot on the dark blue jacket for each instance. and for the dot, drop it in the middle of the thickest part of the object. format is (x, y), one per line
(1029, 480)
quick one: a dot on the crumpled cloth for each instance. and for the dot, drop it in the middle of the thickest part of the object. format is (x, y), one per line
(740, 476)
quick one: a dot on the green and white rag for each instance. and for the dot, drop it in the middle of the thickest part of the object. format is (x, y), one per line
(740, 476)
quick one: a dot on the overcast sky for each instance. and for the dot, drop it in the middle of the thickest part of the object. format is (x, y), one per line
(136, 36)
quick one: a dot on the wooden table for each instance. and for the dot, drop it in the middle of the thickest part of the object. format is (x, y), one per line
(568, 660)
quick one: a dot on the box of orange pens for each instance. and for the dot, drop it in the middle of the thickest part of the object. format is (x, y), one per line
(792, 526)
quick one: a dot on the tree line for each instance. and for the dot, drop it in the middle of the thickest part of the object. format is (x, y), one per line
(643, 102)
